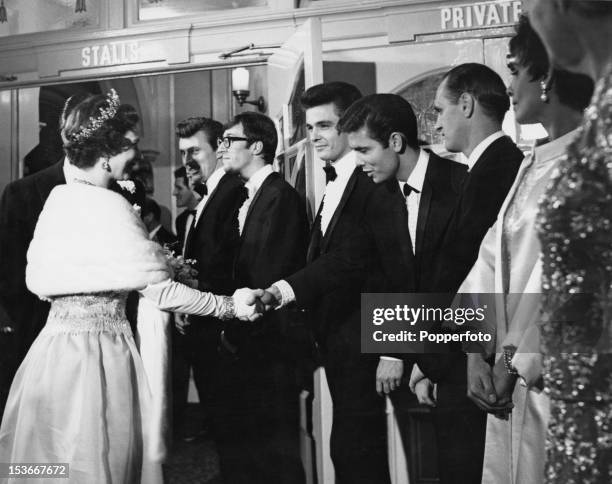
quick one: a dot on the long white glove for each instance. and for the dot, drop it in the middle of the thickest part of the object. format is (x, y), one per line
(173, 296)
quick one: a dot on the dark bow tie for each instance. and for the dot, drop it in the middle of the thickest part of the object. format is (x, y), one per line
(408, 190)
(330, 172)
(192, 212)
(201, 189)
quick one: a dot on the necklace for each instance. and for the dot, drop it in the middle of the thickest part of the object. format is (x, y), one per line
(84, 182)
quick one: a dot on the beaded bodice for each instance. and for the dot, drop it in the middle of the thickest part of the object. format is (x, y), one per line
(575, 229)
(103, 312)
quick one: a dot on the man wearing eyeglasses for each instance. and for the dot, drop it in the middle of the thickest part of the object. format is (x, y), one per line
(211, 240)
(260, 429)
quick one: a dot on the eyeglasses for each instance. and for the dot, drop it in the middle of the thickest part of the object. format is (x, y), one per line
(227, 141)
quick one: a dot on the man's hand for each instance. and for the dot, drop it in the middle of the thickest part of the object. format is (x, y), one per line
(181, 322)
(272, 297)
(389, 375)
(424, 390)
(481, 389)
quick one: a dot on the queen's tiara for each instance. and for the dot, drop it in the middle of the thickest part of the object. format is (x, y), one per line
(96, 122)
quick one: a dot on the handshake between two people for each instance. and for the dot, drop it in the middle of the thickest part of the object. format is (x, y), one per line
(251, 304)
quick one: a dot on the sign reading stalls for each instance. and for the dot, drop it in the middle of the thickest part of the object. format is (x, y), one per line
(109, 54)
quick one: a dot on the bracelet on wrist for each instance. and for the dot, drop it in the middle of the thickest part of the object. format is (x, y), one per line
(509, 351)
(228, 308)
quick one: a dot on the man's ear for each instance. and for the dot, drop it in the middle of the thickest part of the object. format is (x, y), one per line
(397, 142)
(467, 103)
(257, 147)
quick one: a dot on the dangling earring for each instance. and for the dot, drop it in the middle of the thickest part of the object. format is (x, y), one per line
(544, 89)
(106, 166)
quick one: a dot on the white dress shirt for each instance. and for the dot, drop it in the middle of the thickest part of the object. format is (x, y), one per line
(335, 189)
(252, 186)
(416, 181)
(211, 185)
(153, 232)
(481, 147)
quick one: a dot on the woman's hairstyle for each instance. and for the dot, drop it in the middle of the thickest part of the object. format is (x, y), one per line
(528, 50)
(94, 126)
(573, 90)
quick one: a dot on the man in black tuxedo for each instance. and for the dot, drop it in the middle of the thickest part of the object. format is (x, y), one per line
(151, 216)
(471, 103)
(211, 240)
(22, 314)
(186, 199)
(422, 189)
(343, 261)
(260, 427)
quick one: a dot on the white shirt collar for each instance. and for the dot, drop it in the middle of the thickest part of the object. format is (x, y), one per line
(214, 179)
(153, 232)
(258, 178)
(481, 147)
(416, 179)
(345, 166)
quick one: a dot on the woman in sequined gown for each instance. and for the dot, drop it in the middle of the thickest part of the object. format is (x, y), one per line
(509, 260)
(81, 396)
(575, 229)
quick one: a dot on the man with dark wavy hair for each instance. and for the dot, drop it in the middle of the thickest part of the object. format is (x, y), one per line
(211, 240)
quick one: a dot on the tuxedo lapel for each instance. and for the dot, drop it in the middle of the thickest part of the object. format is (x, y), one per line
(256, 198)
(315, 237)
(212, 196)
(424, 206)
(400, 223)
(338, 212)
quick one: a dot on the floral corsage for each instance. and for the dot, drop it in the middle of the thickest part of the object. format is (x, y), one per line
(182, 268)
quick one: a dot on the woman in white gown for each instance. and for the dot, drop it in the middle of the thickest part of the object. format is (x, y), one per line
(509, 262)
(81, 396)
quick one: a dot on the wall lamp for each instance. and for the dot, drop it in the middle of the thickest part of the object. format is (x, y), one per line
(240, 89)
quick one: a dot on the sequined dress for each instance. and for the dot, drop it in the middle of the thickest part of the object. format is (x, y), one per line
(575, 229)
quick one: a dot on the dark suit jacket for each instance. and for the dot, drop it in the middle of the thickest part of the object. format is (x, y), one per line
(272, 245)
(405, 272)
(165, 237)
(20, 207)
(180, 227)
(214, 241)
(483, 193)
(342, 264)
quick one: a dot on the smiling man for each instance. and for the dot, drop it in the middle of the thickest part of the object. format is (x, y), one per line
(420, 189)
(342, 262)
(259, 432)
(210, 239)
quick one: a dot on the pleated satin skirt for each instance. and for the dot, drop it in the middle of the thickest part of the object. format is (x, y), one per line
(81, 397)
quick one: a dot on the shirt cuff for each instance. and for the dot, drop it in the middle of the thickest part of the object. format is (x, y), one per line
(389, 358)
(287, 294)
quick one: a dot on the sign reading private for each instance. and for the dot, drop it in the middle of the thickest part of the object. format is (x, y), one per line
(480, 15)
